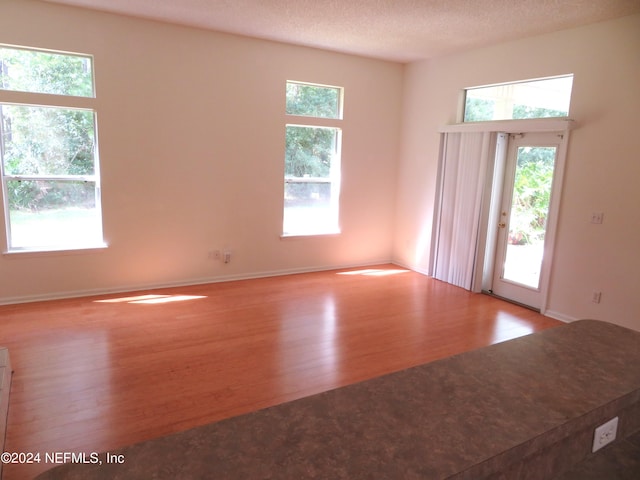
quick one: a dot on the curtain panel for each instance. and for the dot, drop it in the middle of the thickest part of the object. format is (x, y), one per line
(465, 162)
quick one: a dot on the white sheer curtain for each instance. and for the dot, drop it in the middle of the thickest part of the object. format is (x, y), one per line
(465, 163)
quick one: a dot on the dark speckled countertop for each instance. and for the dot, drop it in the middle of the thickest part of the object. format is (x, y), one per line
(618, 461)
(473, 415)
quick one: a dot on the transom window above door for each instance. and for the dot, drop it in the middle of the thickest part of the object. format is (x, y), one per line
(541, 98)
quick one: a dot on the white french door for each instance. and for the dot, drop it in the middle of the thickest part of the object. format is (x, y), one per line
(497, 206)
(524, 223)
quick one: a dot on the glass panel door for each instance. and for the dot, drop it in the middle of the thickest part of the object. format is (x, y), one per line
(520, 271)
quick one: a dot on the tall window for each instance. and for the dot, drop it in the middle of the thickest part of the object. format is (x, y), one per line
(312, 159)
(542, 98)
(49, 159)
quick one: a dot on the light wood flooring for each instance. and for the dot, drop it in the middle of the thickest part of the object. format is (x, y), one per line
(93, 375)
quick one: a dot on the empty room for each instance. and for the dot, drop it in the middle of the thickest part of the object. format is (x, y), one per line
(295, 239)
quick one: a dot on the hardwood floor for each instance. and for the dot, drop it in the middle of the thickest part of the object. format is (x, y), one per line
(94, 374)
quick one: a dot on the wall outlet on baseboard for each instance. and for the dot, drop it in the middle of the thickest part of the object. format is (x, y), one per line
(605, 434)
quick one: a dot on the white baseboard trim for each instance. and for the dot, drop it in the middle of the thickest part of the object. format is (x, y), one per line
(184, 283)
(410, 267)
(560, 316)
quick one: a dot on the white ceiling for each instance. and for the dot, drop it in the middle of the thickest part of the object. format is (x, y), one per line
(398, 30)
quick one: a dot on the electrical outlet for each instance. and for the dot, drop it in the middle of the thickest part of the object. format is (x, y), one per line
(596, 296)
(605, 434)
(226, 256)
(597, 217)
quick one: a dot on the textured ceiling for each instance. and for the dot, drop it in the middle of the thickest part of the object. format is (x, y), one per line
(398, 30)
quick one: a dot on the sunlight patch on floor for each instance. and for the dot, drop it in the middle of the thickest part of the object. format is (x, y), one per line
(151, 299)
(376, 272)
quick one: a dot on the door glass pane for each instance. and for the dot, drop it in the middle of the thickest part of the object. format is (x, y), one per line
(528, 217)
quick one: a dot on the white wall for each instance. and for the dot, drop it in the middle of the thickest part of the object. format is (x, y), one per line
(603, 163)
(191, 136)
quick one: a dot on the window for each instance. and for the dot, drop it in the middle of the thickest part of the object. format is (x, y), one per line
(49, 160)
(312, 160)
(541, 98)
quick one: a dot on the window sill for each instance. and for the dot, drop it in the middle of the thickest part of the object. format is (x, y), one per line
(38, 252)
(304, 235)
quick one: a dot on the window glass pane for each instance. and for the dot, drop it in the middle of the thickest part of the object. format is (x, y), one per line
(44, 72)
(53, 214)
(309, 209)
(533, 99)
(47, 140)
(311, 180)
(312, 100)
(309, 151)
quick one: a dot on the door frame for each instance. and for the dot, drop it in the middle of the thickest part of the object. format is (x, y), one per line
(483, 265)
(533, 297)
(493, 230)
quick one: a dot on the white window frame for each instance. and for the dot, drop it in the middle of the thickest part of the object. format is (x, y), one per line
(510, 94)
(335, 173)
(67, 102)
